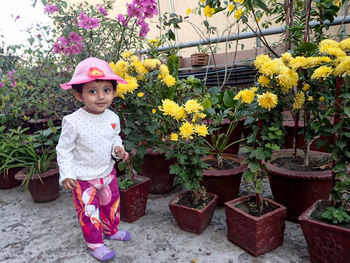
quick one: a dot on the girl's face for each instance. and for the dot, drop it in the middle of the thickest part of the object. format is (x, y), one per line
(96, 95)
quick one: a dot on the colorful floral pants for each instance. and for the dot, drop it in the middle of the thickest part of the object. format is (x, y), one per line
(97, 206)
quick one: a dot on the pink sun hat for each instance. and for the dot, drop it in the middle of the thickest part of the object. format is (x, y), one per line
(91, 69)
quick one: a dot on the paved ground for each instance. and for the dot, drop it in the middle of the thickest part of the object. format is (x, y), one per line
(35, 233)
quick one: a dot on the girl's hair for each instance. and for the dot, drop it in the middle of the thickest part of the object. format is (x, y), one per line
(79, 87)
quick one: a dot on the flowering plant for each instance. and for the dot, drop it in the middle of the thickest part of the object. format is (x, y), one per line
(186, 143)
(149, 82)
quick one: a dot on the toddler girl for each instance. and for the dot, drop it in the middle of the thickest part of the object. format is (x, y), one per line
(89, 139)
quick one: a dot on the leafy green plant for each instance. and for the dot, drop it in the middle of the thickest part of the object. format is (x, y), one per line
(335, 215)
(129, 179)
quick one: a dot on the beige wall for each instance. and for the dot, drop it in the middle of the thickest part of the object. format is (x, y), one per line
(187, 32)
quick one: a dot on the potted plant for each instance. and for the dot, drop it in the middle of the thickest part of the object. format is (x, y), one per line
(39, 173)
(133, 190)
(150, 81)
(307, 177)
(254, 222)
(193, 208)
(223, 176)
(10, 140)
(325, 223)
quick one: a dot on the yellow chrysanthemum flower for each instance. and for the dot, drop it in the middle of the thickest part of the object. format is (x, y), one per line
(174, 137)
(299, 101)
(345, 44)
(322, 72)
(192, 106)
(273, 67)
(154, 111)
(264, 81)
(246, 96)
(287, 79)
(238, 14)
(286, 57)
(151, 64)
(140, 94)
(321, 99)
(188, 11)
(337, 52)
(122, 89)
(186, 130)
(139, 68)
(127, 54)
(298, 62)
(163, 69)
(306, 87)
(328, 43)
(169, 80)
(172, 109)
(198, 116)
(201, 130)
(230, 8)
(310, 98)
(261, 60)
(267, 100)
(202, 1)
(120, 68)
(154, 42)
(208, 11)
(343, 68)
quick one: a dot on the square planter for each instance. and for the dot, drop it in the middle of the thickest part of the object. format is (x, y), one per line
(191, 219)
(326, 242)
(133, 201)
(256, 235)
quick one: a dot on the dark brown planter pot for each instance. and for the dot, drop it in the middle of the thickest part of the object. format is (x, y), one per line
(297, 190)
(45, 188)
(224, 183)
(288, 141)
(133, 201)
(199, 59)
(156, 167)
(326, 242)
(190, 219)
(8, 180)
(256, 235)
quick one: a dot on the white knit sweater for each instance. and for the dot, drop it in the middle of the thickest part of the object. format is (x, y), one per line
(86, 144)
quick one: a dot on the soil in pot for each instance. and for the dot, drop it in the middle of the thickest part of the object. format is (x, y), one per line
(249, 207)
(187, 199)
(317, 163)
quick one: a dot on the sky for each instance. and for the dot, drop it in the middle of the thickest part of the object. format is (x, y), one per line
(12, 29)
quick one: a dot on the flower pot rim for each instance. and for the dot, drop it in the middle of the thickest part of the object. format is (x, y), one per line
(143, 178)
(305, 217)
(231, 205)
(306, 175)
(22, 174)
(178, 196)
(226, 172)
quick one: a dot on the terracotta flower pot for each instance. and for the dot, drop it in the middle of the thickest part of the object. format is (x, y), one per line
(224, 183)
(133, 201)
(156, 167)
(191, 219)
(8, 180)
(44, 187)
(326, 242)
(199, 59)
(297, 190)
(256, 235)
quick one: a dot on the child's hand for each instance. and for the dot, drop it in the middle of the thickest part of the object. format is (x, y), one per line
(121, 153)
(69, 184)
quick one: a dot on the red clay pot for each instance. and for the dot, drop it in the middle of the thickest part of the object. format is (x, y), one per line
(224, 183)
(190, 219)
(156, 167)
(289, 139)
(297, 190)
(326, 242)
(43, 189)
(256, 235)
(133, 201)
(8, 180)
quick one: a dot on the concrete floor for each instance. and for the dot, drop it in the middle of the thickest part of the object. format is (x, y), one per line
(49, 232)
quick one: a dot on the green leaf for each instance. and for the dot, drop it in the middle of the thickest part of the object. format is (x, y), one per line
(254, 167)
(206, 103)
(347, 111)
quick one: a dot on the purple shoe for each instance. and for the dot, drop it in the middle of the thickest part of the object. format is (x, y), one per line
(120, 235)
(103, 253)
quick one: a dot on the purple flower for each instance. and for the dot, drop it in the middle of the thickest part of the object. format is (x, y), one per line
(63, 41)
(94, 22)
(102, 10)
(74, 37)
(133, 10)
(50, 9)
(121, 18)
(1, 84)
(57, 49)
(87, 22)
(144, 30)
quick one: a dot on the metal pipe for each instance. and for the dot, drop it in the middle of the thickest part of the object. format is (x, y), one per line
(244, 35)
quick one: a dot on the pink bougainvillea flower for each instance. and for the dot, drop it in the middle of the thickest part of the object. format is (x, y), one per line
(133, 10)
(1, 84)
(50, 9)
(121, 18)
(94, 22)
(95, 73)
(102, 10)
(57, 49)
(87, 22)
